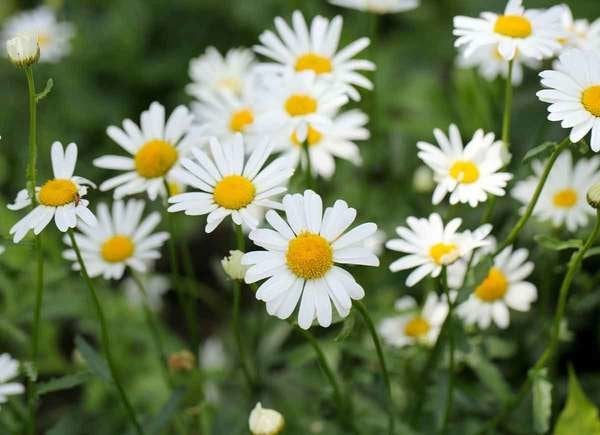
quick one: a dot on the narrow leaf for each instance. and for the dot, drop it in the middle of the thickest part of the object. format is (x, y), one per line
(538, 151)
(556, 244)
(94, 360)
(580, 415)
(63, 383)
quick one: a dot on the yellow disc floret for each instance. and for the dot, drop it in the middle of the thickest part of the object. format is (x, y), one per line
(464, 171)
(590, 98)
(300, 104)
(155, 158)
(309, 255)
(313, 137)
(117, 249)
(240, 120)
(515, 26)
(314, 62)
(565, 198)
(57, 192)
(416, 327)
(493, 287)
(443, 253)
(234, 192)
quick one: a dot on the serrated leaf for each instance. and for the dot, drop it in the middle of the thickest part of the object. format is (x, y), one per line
(347, 328)
(94, 360)
(542, 402)
(580, 415)
(538, 151)
(63, 383)
(556, 244)
(29, 370)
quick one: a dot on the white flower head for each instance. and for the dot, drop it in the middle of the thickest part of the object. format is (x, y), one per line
(156, 287)
(301, 257)
(265, 421)
(378, 6)
(60, 198)
(415, 325)
(212, 354)
(52, 37)
(579, 33)
(230, 184)
(563, 197)
(232, 265)
(533, 33)
(430, 245)
(469, 173)
(300, 48)
(9, 369)
(120, 240)
(156, 150)
(504, 287)
(573, 91)
(23, 50)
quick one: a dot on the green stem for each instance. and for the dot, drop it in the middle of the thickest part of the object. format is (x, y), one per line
(449, 395)
(508, 94)
(237, 290)
(240, 238)
(534, 199)
(548, 354)
(386, 377)
(308, 179)
(374, 97)
(32, 164)
(105, 336)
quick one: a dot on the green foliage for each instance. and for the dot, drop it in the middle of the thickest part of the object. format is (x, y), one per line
(580, 415)
(542, 401)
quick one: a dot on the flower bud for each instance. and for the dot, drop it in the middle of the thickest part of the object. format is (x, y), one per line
(233, 266)
(264, 421)
(182, 361)
(23, 50)
(593, 196)
(423, 180)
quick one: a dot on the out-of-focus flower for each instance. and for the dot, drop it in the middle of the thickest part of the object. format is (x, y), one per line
(9, 369)
(299, 263)
(23, 50)
(182, 361)
(593, 196)
(431, 245)
(423, 179)
(265, 421)
(378, 6)
(232, 265)
(212, 354)
(52, 36)
(231, 184)
(155, 285)
(469, 173)
(376, 242)
(563, 197)
(60, 198)
(579, 33)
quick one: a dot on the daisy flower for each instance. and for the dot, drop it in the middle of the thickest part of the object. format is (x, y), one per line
(378, 6)
(156, 149)
(503, 288)
(301, 257)
(60, 198)
(9, 369)
(213, 72)
(229, 184)
(415, 325)
(156, 287)
(563, 197)
(120, 240)
(431, 245)
(296, 101)
(573, 91)
(468, 173)
(533, 33)
(53, 37)
(579, 33)
(299, 48)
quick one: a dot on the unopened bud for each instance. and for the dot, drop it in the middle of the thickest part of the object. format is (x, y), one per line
(23, 50)
(593, 195)
(182, 361)
(265, 421)
(233, 266)
(423, 180)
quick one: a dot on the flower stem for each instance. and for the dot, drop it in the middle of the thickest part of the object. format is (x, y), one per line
(308, 181)
(237, 290)
(32, 164)
(508, 94)
(514, 232)
(449, 395)
(105, 336)
(386, 377)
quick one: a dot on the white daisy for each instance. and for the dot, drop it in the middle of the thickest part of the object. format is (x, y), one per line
(53, 37)
(468, 173)
(431, 245)
(579, 33)
(415, 325)
(378, 6)
(503, 288)
(300, 49)
(574, 94)
(296, 101)
(336, 140)
(156, 150)
(563, 197)
(230, 184)
(9, 369)
(299, 263)
(213, 72)
(156, 286)
(457, 270)
(533, 33)
(60, 198)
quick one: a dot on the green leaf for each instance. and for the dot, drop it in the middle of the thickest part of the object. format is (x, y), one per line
(489, 375)
(94, 360)
(542, 402)
(46, 91)
(166, 413)
(556, 244)
(538, 151)
(580, 415)
(30, 370)
(347, 328)
(592, 252)
(63, 383)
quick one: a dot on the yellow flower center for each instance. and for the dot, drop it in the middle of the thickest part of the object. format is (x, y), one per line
(309, 256)
(315, 62)
(117, 249)
(443, 253)
(43, 39)
(240, 120)
(493, 287)
(234, 192)
(416, 327)
(590, 98)
(300, 104)
(515, 26)
(57, 192)
(464, 171)
(175, 188)
(314, 137)
(155, 158)
(565, 198)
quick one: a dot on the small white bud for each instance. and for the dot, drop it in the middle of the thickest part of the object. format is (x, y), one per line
(423, 180)
(593, 196)
(233, 266)
(23, 50)
(264, 421)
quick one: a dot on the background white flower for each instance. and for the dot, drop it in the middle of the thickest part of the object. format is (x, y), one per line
(378, 6)
(9, 369)
(156, 287)
(579, 33)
